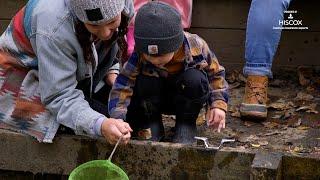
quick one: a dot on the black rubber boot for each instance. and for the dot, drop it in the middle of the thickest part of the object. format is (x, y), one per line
(154, 120)
(192, 94)
(144, 111)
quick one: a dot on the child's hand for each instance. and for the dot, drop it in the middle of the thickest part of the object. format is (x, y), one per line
(216, 118)
(111, 78)
(113, 129)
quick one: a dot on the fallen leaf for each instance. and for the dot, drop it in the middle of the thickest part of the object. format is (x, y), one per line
(232, 77)
(248, 123)
(310, 108)
(255, 145)
(270, 125)
(277, 105)
(305, 74)
(248, 138)
(297, 149)
(287, 114)
(233, 109)
(241, 147)
(236, 114)
(288, 143)
(303, 108)
(263, 143)
(281, 104)
(295, 124)
(313, 111)
(234, 85)
(277, 116)
(303, 128)
(277, 83)
(316, 124)
(304, 96)
(201, 117)
(241, 78)
(272, 133)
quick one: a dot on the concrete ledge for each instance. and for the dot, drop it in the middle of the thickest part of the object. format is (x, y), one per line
(148, 160)
(266, 166)
(141, 160)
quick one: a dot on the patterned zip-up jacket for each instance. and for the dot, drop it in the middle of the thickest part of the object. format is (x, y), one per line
(194, 53)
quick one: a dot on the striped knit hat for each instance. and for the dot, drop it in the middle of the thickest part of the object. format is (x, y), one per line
(97, 11)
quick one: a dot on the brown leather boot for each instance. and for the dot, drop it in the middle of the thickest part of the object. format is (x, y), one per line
(254, 104)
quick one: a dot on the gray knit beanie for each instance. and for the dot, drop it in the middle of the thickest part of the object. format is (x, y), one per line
(158, 29)
(97, 11)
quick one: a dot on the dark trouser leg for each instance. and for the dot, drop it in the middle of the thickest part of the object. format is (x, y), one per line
(144, 111)
(98, 101)
(192, 93)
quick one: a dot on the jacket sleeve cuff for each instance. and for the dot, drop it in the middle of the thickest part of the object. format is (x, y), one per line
(98, 125)
(113, 71)
(220, 104)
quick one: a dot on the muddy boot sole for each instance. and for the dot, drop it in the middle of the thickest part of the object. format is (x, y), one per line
(253, 111)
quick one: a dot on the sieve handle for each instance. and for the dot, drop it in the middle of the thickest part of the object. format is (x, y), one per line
(115, 147)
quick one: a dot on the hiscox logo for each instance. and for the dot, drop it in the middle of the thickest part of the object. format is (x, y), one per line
(290, 22)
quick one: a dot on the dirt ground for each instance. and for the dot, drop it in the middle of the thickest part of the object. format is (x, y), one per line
(293, 123)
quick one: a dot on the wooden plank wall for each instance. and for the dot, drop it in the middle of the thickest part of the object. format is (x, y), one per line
(222, 24)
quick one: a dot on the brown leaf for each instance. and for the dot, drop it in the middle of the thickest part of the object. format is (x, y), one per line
(248, 138)
(296, 124)
(277, 83)
(270, 125)
(304, 96)
(277, 105)
(234, 85)
(248, 123)
(201, 117)
(281, 104)
(272, 133)
(305, 74)
(310, 109)
(303, 128)
(241, 78)
(288, 114)
(263, 143)
(297, 149)
(236, 114)
(277, 116)
(232, 77)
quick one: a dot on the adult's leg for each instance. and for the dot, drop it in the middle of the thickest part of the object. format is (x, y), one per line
(261, 45)
(261, 39)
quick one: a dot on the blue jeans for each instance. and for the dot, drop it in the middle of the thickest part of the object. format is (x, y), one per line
(261, 39)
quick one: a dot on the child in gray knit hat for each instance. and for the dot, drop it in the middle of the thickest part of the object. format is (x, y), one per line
(170, 72)
(58, 61)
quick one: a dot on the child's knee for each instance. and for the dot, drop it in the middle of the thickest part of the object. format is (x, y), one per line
(193, 84)
(148, 86)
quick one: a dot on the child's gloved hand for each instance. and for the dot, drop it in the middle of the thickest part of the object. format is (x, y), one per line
(216, 118)
(113, 129)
